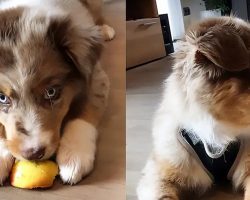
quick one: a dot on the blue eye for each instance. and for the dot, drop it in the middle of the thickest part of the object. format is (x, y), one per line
(51, 93)
(4, 99)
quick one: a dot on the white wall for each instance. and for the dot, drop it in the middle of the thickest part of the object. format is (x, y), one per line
(195, 7)
(174, 10)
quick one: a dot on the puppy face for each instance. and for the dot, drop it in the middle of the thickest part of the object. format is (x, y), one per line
(220, 69)
(44, 65)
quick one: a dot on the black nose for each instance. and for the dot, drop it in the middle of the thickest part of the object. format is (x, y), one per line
(34, 154)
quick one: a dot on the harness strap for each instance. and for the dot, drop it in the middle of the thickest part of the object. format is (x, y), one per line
(219, 169)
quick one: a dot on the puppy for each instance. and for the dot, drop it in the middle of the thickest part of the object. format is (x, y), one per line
(201, 129)
(53, 90)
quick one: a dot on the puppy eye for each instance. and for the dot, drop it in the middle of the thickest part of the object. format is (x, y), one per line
(51, 93)
(4, 99)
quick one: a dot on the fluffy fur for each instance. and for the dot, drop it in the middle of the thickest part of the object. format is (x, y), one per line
(51, 45)
(207, 92)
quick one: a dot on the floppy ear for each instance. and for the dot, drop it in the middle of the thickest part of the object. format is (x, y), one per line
(224, 47)
(82, 47)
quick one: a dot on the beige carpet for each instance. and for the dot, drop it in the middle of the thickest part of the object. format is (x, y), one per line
(107, 182)
(144, 91)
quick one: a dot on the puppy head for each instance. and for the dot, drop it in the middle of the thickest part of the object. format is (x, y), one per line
(44, 65)
(218, 66)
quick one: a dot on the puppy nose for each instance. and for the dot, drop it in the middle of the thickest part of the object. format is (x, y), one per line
(34, 154)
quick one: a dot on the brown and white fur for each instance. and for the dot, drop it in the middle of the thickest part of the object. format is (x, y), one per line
(53, 90)
(207, 92)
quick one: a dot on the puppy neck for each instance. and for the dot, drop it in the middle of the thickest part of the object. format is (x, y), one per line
(209, 130)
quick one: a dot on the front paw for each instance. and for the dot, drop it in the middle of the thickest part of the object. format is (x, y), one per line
(73, 166)
(6, 162)
(108, 32)
(76, 153)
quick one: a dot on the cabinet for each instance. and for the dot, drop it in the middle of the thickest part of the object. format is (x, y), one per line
(144, 33)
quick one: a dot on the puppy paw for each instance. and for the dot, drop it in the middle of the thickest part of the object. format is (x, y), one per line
(76, 153)
(6, 162)
(108, 32)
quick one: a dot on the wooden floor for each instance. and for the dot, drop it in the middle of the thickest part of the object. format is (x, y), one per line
(144, 91)
(107, 182)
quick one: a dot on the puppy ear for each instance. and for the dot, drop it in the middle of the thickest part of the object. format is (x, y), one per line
(82, 47)
(223, 46)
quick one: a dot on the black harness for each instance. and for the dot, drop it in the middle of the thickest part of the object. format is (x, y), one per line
(217, 168)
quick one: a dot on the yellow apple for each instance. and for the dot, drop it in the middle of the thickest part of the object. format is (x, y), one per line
(29, 174)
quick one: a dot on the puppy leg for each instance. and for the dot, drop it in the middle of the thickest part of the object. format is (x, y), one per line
(108, 32)
(95, 7)
(76, 153)
(166, 181)
(156, 185)
(247, 189)
(247, 179)
(6, 159)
